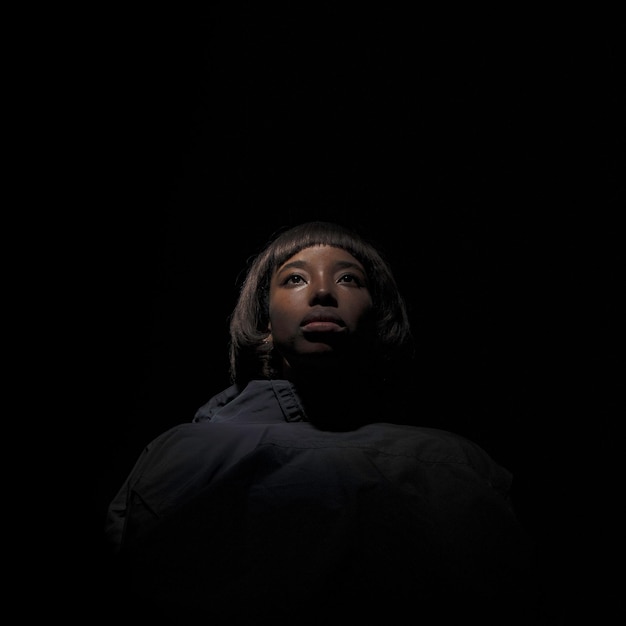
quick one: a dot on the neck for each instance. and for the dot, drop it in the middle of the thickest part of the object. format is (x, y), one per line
(337, 399)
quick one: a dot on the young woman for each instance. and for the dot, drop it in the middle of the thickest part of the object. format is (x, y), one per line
(300, 492)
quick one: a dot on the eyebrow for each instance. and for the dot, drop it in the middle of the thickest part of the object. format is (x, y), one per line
(339, 265)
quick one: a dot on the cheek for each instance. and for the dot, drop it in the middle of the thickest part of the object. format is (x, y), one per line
(276, 319)
(281, 314)
(365, 321)
(361, 308)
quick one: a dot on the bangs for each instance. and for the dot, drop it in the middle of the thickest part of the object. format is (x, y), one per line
(318, 234)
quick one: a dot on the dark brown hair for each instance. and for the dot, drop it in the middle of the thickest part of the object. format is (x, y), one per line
(250, 355)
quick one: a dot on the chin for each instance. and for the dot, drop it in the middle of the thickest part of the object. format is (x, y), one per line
(323, 352)
(324, 357)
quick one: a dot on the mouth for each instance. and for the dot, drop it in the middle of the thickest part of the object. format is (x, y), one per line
(322, 327)
(322, 322)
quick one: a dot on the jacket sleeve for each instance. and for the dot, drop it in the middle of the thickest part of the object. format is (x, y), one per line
(115, 523)
(173, 468)
(127, 500)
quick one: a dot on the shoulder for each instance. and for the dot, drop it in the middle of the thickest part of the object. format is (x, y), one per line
(436, 450)
(208, 409)
(424, 442)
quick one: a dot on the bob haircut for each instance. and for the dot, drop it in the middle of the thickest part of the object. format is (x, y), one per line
(251, 357)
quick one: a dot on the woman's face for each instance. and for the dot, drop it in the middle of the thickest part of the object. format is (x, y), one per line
(320, 305)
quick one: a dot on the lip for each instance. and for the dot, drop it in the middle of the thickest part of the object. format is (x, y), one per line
(322, 322)
(322, 327)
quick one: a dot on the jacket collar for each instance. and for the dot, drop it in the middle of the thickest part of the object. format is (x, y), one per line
(260, 401)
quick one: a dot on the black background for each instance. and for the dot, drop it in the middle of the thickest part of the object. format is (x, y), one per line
(485, 158)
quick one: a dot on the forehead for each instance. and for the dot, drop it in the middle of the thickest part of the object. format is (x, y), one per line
(321, 254)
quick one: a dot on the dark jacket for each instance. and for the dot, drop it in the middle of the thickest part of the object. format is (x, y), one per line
(251, 513)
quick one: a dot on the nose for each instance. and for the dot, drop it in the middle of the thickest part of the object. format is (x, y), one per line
(323, 292)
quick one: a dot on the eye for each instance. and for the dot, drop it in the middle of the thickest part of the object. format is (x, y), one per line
(350, 278)
(293, 279)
